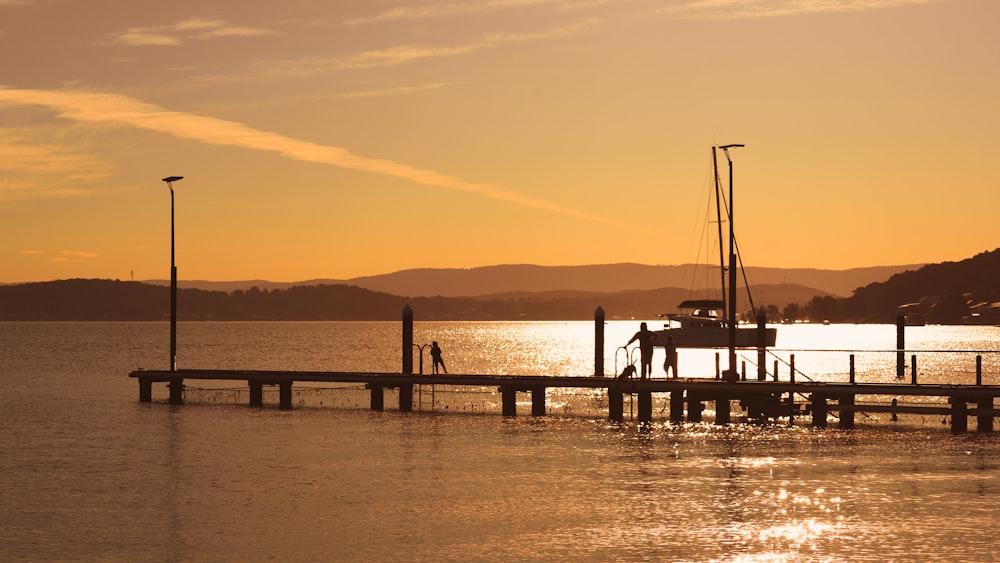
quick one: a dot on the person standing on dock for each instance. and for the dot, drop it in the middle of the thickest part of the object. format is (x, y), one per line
(646, 339)
(671, 360)
(436, 357)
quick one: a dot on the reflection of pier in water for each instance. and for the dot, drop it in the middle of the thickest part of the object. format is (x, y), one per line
(685, 399)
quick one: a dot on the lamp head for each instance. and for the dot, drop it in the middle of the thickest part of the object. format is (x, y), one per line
(170, 179)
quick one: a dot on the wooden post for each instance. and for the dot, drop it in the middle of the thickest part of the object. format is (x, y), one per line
(895, 415)
(913, 378)
(717, 372)
(645, 406)
(694, 407)
(761, 344)
(979, 369)
(285, 394)
(722, 414)
(791, 373)
(407, 339)
(256, 393)
(677, 404)
(743, 370)
(852, 369)
(145, 391)
(378, 401)
(616, 408)
(900, 343)
(537, 401)
(775, 370)
(819, 410)
(846, 417)
(508, 397)
(405, 397)
(599, 342)
(176, 391)
(959, 415)
(984, 422)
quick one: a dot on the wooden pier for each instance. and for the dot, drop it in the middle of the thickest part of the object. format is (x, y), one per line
(760, 400)
(688, 397)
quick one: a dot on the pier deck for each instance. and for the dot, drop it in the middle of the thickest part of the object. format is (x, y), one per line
(761, 399)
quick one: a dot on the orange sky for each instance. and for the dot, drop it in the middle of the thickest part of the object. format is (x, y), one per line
(339, 139)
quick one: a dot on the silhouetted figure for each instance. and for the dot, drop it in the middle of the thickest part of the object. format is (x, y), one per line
(645, 338)
(671, 361)
(436, 356)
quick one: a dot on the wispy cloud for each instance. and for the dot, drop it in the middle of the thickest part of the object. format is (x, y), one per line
(402, 54)
(87, 107)
(186, 30)
(755, 9)
(31, 170)
(449, 9)
(74, 256)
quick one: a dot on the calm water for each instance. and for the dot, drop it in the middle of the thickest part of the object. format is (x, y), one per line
(89, 473)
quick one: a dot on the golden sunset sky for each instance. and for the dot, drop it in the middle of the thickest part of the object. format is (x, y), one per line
(347, 138)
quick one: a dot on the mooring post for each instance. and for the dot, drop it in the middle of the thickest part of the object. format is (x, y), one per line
(405, 397)
(176, 391)
(145, 391)
(407, 339)
(378, 400)
(537, 401)
(819, 410)
(722, 410)
(852, 369)
(285, 394)
(846, 416)
(959, 414)
(508, 397)
(645, 406)
(895, 415)
(599, 342)
(979, 369)
(900, 343)
(694, 407)
(984, 422)
(256, 393)
(913, 377)
(616, 407)
(761, 344)
(677, 404)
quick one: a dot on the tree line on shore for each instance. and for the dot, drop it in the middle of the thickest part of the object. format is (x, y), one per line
(944, 294)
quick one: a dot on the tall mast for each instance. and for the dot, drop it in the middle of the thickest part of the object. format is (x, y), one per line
(718, 222)
(732, 267)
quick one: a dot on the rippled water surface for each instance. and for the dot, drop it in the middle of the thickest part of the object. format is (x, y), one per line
(89, 473)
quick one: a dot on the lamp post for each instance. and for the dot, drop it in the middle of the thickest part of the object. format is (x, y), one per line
(173, 276)
(732, 267)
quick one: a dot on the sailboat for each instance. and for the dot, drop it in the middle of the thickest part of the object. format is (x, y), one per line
(711, 323)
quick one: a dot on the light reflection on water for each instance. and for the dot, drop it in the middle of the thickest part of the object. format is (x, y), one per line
(89, 473)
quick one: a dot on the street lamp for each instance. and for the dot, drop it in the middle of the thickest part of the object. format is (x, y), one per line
(173, 276)
(732, 267)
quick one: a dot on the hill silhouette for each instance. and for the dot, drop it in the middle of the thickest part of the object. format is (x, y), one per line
(947, 293)
(602, 278)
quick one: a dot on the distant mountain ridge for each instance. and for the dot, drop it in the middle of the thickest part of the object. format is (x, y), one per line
(945, 293)
(600, 278)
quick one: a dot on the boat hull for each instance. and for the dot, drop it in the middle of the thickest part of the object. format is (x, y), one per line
(714, 337)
